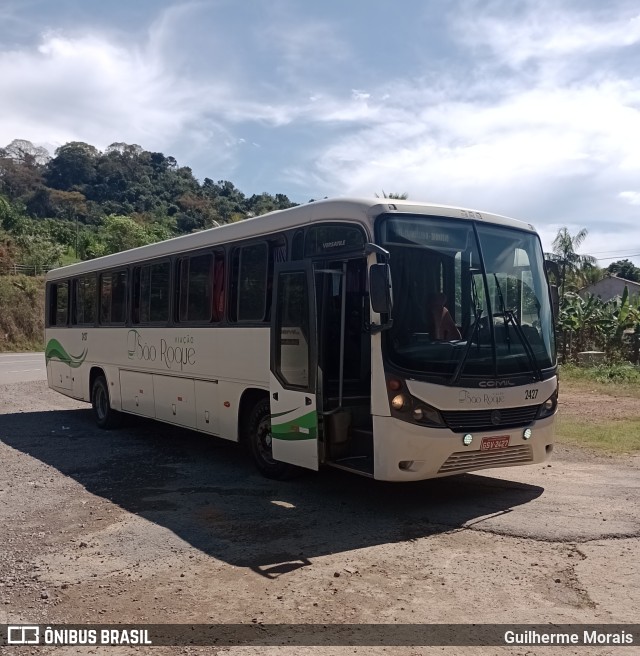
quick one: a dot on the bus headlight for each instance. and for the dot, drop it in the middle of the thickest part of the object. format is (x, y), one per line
(408, 408)
(549, 406)
(398, 402)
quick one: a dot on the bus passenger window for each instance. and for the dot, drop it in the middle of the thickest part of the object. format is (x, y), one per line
(297, 246)
(84, 300)
(277, 253)
(151, 293)
(59, 304)
(252, 282)
(113, 297)
(195, 288)
(217, 310)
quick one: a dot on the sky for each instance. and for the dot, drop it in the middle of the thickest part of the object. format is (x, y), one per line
(525, 108)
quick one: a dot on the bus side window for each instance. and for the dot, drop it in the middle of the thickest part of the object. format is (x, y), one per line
(297, 246)
(195, 288)
(277, 253)
(217, 309)
(151, 293)
(84, 300)
(59, 304)
(249, 282)
(113, 297)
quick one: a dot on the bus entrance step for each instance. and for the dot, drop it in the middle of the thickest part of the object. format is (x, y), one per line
(361, 442)
(362, 464)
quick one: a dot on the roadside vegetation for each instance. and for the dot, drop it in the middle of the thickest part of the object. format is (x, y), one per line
(22, 313)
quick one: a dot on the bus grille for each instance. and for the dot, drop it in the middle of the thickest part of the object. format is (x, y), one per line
(464, 461)
(460, 421)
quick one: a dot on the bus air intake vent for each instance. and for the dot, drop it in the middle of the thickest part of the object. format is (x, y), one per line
(464, 461)
(467, 421)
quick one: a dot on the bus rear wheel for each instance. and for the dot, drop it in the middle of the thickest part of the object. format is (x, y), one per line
(106, 417)
(260, 442)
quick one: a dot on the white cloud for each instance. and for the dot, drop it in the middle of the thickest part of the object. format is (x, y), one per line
(631, 197)
(92, 89)
(356, 94)
(547, 30)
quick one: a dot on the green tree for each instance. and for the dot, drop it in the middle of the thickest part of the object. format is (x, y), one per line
(625, 269)
(73, 166)
(120, 233)
(38, 251)
(21, 168)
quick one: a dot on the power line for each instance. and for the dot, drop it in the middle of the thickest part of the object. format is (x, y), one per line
(618, 257)
(611, 251)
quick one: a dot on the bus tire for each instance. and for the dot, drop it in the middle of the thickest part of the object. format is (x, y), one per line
(106, 417)
(259, 434)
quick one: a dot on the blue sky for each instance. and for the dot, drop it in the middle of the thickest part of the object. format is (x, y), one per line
(530, 109)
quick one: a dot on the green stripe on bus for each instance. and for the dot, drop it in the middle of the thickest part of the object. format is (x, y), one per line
(303, 428)
(55, 351)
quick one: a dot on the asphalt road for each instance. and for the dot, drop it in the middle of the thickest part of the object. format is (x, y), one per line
(22, 367)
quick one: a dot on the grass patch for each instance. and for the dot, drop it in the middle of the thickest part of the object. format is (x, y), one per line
(614, 436)
(620, 379)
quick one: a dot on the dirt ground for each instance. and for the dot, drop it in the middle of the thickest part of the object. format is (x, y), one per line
(587, 404)
(151, 524)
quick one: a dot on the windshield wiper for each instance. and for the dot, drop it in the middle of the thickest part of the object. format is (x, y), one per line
(477, 313)
(509, 316)
(504, 312)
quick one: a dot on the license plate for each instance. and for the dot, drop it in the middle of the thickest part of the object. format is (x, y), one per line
(493, 443)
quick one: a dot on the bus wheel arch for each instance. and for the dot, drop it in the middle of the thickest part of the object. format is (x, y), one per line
(105, 416)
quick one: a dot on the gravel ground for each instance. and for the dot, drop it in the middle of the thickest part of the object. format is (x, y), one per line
(152, 524)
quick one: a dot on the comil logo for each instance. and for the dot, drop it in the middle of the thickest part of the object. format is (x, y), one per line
(23, 635)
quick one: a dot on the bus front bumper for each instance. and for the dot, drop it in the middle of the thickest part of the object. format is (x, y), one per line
(407, 452)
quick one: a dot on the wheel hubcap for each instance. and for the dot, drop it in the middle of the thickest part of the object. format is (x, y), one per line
(265, 441)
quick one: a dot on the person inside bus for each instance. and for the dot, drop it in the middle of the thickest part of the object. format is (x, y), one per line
(440, 323)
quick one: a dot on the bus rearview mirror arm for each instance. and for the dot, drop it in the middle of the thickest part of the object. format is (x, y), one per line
(380, 295)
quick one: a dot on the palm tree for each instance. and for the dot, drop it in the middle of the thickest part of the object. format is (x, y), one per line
(564, 253)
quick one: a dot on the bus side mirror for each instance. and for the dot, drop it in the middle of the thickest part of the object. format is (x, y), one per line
(380, 288)
(552, 268)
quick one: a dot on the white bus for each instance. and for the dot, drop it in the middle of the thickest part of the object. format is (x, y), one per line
(394, 339)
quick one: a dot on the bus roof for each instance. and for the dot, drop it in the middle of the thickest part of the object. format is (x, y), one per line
(358, 210)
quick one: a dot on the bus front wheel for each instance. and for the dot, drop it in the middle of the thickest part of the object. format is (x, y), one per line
(106, 417)
(259, 430)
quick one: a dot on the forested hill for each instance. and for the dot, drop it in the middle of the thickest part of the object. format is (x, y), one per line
(81, 203)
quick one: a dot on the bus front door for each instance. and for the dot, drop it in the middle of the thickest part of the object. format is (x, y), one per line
(294, 366)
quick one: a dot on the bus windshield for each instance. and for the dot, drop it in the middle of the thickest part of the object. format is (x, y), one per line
(470, 299)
